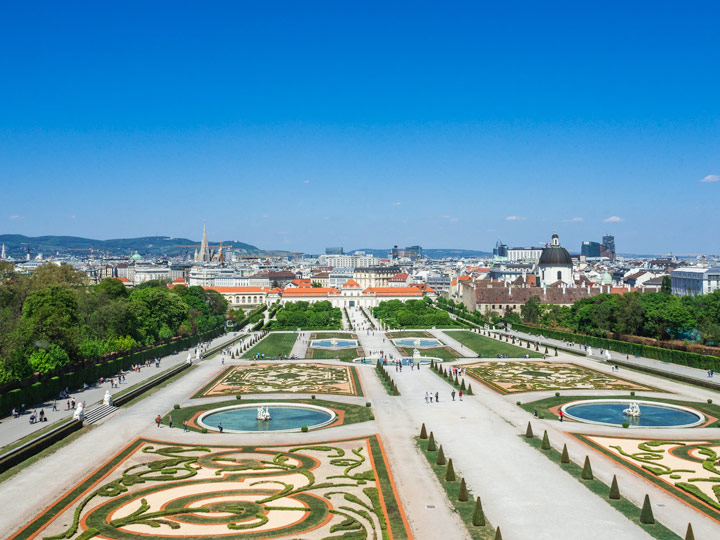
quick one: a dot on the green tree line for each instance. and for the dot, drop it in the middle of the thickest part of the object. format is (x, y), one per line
(658, 315)
(412, 314)
(308, 316)
(52, 319)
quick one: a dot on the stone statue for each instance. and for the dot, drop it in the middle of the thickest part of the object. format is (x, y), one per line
(263, 414)
(416, 354)
(79, 413)
(633, 410)
(608, 356)
(107, 399)
(589, 351)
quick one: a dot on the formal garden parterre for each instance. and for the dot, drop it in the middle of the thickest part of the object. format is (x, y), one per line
(513, 377)
(345, 354)
(441, 351)
(168, 491)
(688, 469)
(284, 378)
(486, 347)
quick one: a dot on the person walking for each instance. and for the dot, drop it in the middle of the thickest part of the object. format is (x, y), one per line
(437, 397)
(220, 428)
(453, 395)
(426, 397)
(460, 395)
(158, 419)
(185, 425)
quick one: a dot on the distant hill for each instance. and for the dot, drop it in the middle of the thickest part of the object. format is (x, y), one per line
(16, 245)
(439, 253)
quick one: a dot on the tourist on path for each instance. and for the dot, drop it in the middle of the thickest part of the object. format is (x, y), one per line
(437, 397)
(453, 395)
(185, 425)
(158, 420)
(460, 395)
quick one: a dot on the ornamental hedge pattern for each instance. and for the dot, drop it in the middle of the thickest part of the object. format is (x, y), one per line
(166, 491)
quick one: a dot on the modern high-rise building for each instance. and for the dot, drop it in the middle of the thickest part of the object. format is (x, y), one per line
(591, 249)
(334, 251)
(608, 246)
(501, 250)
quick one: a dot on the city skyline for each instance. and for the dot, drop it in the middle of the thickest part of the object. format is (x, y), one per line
(364, 127)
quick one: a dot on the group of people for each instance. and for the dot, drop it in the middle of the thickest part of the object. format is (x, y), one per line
(429, 396)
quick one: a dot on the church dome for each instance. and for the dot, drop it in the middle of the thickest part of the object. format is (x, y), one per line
(555, 254)
(136, 257)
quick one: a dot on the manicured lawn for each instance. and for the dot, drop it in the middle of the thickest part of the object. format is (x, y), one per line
(353, 414)
(543, 406)
(413, 333)
(330, 335)
(445, 353)
(344, 355)
(273, 345)
(490, 348)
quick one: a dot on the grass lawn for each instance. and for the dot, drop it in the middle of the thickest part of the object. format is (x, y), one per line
(490, 348)
(413, 333)
(345, 355)
(543, 406)
(445, 353)
(330, 335)
(353, 414)
(622, 505)
(465, 509)
(273, 345)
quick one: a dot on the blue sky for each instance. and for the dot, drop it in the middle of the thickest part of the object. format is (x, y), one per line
(304, 125)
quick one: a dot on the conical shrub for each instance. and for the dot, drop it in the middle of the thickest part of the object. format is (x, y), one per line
(423, 432)
(646, 514)
(564, 458)
(441, 457)
(463, 493)
(456, 381)
(545, 442)
(469, 390)
(529, 432)
(689, 535)
(556, 353)
(498, 534)
(614, 489)
(528, 344)
(478, 519)
(450, 472)
(431, 443)
(587, 473)
(462, 385)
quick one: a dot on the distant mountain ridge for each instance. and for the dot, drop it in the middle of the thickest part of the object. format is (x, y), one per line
(434, 253)
(16, 245)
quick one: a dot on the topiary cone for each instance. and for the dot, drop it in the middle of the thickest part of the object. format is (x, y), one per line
(450, 472)
(565, 458)
(545, 442)
(462, 385)
(646, 514)
(587, 473)
(441, 457)
(529, 432)
(423, 432)
(463, 493)
(456, 381)
(469, 390)
(614, 489)
(689, 535)
(498, 534)
(478, 518)
(431, 443)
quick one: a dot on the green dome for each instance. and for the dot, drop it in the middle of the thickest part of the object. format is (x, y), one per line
(606, 279)
(136, 257)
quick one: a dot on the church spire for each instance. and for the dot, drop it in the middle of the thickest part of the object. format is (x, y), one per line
(2, 253)
(204, 249)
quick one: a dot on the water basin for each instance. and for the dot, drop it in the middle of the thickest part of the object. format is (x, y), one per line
(652, 413)
(333, 343)
(285, 417)
(417, 343)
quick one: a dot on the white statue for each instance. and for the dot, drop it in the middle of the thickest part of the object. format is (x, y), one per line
(263, 413)
(79, 413)
(417, 342)
(608, 356)
(416, 354)
(589, 351)
(633, 410)
(107, 399)
(333, 342)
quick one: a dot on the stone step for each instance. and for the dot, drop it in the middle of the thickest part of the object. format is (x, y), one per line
(98, 413)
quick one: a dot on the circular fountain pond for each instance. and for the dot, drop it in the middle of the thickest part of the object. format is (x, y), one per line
(333, 343)
(418, 343)
(611, 412)
(284, 417)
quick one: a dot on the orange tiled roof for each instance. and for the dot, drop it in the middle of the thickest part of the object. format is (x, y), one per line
(393, 291)
(463, 278)
(309, 292)
(124, 279)
(301, 282)
(238, 290)
(351, 284)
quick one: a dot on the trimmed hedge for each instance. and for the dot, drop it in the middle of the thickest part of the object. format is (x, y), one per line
(682, 358)
(51, 388)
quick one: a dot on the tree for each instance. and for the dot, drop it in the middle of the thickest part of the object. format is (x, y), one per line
(50, 317)
(530, 310)
(666, 286)
(48, 360)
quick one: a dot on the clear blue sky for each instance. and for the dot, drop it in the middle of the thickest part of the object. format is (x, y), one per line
(301, 125)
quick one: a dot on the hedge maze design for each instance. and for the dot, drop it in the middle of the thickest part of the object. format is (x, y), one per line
(681, 467)
(513, 377)
(160, 490)
(275, 378)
